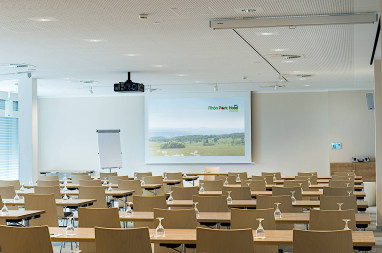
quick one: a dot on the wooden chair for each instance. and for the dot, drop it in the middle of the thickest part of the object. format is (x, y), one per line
(277, 174)
(154, 180)
(322, 241)
(57, 195)
(338, 191)
(331, 219)
(237, 193)
(45, 202)
(134, 185)
(148, 203)
(25, 239)
(211, 203)
(140, 175)
(135, 240)
(14, 183)
(210, 170)
(48, 178)
(341, 183)
(330, 202)
(242, 175)
(312, 179)
(172, 176)
(246, 218)
(255, 185)
(115, 179)
(97, 217)
(76, 178)
(48, 182)
(93, 192)
(7, 192)
(294, 183)
(265, 202)
(212, 185)
(224, 241)
(184, 193)
(268, 179)
(231, 179)
(90, 183)
(107, 175)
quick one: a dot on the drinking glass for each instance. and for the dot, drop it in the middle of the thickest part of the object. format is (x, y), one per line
(70, 226)
(301, 187)
(65, 197)
(347, 184)
(170, 199)
(260, 232)
(249, 185)
(143, 181)
(229, 198)
(309, 183)
(129, 210)
(22, 188)
(350, 192)
(349, 178)
(65, 181)
(4, 210)
(159, 231)
(65, 188)
(340, 206)
(104, 181)
(265, 180)
(346, 224)
(109, 189)
(293, 198)
(274, 177)
(238, 178)
(201, 190)
(17, 197)
(196, 209)
(277, 212)
(135, 177)
(165, 176)
(226, 181)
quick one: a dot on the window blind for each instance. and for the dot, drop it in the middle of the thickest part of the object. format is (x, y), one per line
(9, 149)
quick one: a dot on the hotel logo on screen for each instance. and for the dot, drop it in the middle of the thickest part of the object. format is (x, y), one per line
(231, 108)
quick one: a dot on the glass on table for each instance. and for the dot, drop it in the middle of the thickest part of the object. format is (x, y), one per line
(17, 197)
(293, 198)
(229, 198)
(350, 192)
(143, 181)
(65, 197)
(4, 210)
(249, 185)
(226, 181)
(340, 206)
(309, 183)
(109, 189)
(159, 231)
(65, 188)
(70, 226)
(277, 212)
(170, 198)
(346, 224)
(196, 209)
(22, 188)
(165, 176)
(201, 189)
(274, 177)
(238, 178)
(265, 180)
(260, 232)
(104, 181)
(347, 184)
(129, 210)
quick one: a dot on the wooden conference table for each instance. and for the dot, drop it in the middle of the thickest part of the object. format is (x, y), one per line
(70, 203)
(21, 215)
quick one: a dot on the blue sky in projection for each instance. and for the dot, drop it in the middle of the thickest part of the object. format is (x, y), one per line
(170, 117)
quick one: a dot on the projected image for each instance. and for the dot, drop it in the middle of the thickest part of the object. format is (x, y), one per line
(196, 127)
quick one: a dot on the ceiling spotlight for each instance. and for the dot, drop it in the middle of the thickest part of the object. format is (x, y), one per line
(307, 85)
(94, 40)
(43, 19)
(216, 88)
(143, 16)
(248, 10)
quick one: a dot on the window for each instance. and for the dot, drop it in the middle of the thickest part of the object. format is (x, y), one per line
(9, 148)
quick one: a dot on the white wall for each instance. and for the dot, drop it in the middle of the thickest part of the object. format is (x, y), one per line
(290, 133)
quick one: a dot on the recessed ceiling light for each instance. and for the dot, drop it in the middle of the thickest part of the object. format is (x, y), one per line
(280, 49)
(248, 10)
(181, 75)
(94, 40)
(157, 66)
(43, 19)
(156, 23)
(307, 85)
(267, 33)
(288, 61)
(131, 55)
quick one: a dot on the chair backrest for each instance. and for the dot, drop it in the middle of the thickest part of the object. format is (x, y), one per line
(93, 192)
(212, 185)
(211, 203)
(224, 241)
(344, 173)
(268, 179)
(231, 179)
(115, 179)
(313, 241)
(135, 240)
(134, 185)
(46, 202)
(90, 183)
(48, 190)
(174, 175)
(14, 183)
(350, 178)
(331, 219)
(294, 183)
(148, 203)
(103, 217)
(48, 182)
(264, 202)
(210, 170)
(255, 185)
(140, 175)
(237, 193)
(341, 183)
(307, 174)
(242, 175)
(312, 179)
(280, 191)
(76, 178)
(25, 239)
(155, 180)
(48, 178)
(246, 218)
(79, 173)
(338, 191)
(330, 202)
(176, 218)
(7, 192)
(184, 192)
(277, 174)
(103, 175)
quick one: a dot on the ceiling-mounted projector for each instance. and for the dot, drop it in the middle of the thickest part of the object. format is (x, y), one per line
(129, 86)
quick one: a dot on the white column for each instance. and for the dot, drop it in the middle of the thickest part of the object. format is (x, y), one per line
(28, 130)
(378, 136)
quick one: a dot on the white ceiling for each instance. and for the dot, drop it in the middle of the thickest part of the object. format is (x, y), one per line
(193, 56)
